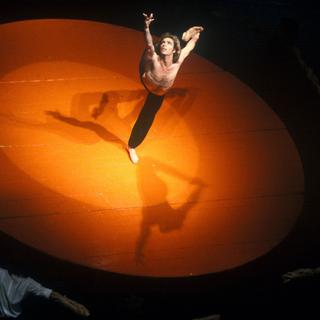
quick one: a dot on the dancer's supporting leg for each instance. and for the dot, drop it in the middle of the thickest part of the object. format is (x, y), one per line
(143, 124)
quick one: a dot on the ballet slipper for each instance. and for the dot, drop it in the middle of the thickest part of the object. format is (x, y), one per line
(133, 155)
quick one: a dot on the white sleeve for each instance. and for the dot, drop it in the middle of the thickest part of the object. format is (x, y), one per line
(37, 289)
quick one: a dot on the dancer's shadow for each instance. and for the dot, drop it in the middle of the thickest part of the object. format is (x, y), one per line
(83, 117)
(106, 105)
(101, 132)
(91, 110)
(87, 107)
(154, 190)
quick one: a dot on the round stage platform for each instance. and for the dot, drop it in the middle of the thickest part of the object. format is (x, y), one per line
(219, 182)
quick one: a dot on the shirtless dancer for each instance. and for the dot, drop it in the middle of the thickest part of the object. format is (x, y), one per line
(158, 70)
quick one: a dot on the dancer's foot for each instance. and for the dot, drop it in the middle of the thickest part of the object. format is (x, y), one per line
(186, 36)
(133, 155)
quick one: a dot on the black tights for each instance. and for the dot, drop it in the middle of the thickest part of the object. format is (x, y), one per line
(145, 119)
(147, 114)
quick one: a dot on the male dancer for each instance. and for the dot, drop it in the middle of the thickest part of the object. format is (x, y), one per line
(158, 70)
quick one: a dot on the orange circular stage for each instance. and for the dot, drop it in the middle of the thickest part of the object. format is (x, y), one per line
(219, 182)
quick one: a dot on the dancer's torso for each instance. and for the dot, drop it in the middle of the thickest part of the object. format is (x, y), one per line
(158, 78)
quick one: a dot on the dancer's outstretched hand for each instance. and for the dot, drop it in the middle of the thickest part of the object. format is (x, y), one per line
(148, 19)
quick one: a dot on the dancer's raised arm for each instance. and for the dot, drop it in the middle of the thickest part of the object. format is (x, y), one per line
(149, 43)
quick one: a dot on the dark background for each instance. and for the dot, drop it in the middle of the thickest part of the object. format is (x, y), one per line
(258, 42)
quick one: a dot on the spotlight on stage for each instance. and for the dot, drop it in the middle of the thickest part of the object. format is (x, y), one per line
(220, 181)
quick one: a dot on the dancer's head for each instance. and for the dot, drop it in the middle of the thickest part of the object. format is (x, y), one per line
(168, 44)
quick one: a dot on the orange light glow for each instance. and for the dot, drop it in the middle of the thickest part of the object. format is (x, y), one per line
(219, 182)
